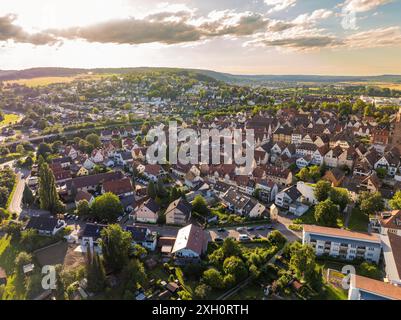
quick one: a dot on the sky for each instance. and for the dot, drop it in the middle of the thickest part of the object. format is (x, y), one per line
(325, 37)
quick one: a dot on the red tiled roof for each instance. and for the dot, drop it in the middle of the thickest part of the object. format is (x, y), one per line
(342, 233)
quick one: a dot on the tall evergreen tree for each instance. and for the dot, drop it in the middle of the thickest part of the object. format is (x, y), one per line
(48, 196)
(27, 196)
(151, 190)
(95, 272)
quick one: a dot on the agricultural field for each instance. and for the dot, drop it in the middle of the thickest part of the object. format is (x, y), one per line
(45, 81)
(10, 118)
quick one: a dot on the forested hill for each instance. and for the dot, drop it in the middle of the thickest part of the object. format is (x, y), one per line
(226, 77)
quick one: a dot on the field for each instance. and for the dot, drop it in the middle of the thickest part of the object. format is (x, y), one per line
(9, 119)
(390, 85)
(45, 81)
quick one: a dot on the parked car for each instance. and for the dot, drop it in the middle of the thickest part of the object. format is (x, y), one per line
(260, 228)
(240, 229)
(221, 230)
(250, 228)
(244, 237)
(218, 239)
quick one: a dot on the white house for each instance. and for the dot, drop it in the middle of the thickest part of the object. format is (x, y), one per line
(344, 244)
(190, 243)
(363, 288)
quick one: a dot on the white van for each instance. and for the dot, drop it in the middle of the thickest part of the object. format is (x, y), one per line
(244, 237)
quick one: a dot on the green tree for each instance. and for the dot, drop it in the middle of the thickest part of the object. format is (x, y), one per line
(213, 278)
(276, 238)
(199, 205)
(151, 190)
(369, 270)
(48, 196)
(94, 140)
(395, 202)
(20, 149)
(322, 190)
(303, 261)
(44, 150)
(340, 197)
(303, 175)
(326, 213)
(83, 208)
(235, 266)
(95, 273)
(116, 246)
(27, 196)
(202, 291)
(371, 203)
(107, 207)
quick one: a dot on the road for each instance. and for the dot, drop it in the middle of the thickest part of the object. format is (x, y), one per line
(15, 204)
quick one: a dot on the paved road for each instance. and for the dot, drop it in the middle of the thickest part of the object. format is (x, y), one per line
(15, 204)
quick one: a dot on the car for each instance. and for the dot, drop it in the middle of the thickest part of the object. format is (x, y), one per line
(244, 237)
(260, 228)
(221, 230)
(218, 239)
(76, 218)
(250, 228)
(67, 216)
(257, 237)
(270, 227)
(119, 218)
(240, 229)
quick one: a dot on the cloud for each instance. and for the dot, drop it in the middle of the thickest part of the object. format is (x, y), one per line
(10, 31)
(312, 18)
(279, 5)
(382, 37)
(363, 5)
(304, 42)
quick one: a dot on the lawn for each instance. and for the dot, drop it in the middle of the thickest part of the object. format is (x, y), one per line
(9, 118)
(309, 218)
(8, 253)
(330, 292)
(250, 292)
(358, 221)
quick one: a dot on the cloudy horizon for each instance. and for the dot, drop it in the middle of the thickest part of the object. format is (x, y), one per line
(328, 37)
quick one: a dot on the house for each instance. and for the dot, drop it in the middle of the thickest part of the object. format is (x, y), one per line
(283, 177)
(64, 162)
(389, 222)
(190, 244)
(143, 236)
(389, 161)
(92, 182)
(178, 212)
(88, 164)
(307, 191)
(69, 151)
(45, 225)
(124, 158)
(147, 212)
(90, 234)
(267, 190)
(97, 156)
(121, 187)
(242, 204)
(83, 195)
(344, 244)
(82, 171)
(331, 158)
(335, 176)
(152, 171)
(287, 196)
(392, 257)
(363, 288)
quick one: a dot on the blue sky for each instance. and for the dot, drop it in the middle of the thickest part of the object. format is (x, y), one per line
(348, 37)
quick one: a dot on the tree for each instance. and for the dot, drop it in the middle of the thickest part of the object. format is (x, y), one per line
(303, 261)
(43, 150)
(116, 245)
(395, 202)
(369, 270)
(303, 174)
(370, 203)
(276, 238)
(213, 278)
(175, 194)
(94, 140)
(326, 213)
(202, 291)
(151, 190)
(231, 248)
(315, 173)
(4, 194)
(83, 208)
(161, 190)
(27, 196)
(48, 196)
(322, 190)
(235, 266)
(107, 207)
(95, 273)
(199, 205)
(340, 197)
